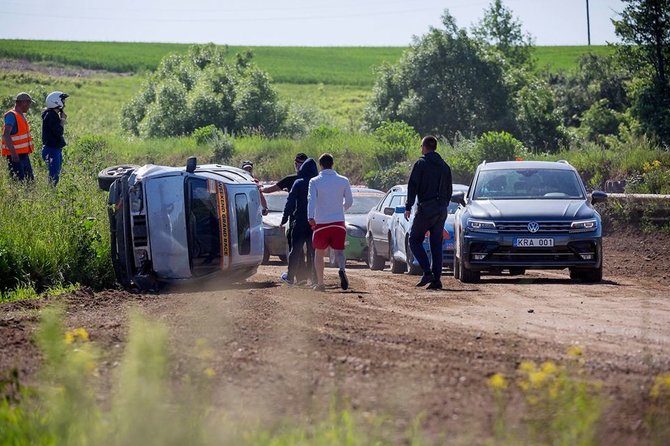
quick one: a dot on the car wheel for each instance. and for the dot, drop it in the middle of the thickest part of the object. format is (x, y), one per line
(107, 176)
(467, 275)
(283, 258)
(412, 269)
(397, 266)
(266, 257)
(517, 271)
(375, 262)
(457, 268)
(594, 275)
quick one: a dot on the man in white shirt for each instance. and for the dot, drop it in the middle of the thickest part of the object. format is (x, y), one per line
(328, 197)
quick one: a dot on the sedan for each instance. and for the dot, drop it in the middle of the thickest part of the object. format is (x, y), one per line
(276, 243)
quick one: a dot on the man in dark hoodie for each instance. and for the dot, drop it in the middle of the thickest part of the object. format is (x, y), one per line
(301, 232)
(53, 126)
(430, 183)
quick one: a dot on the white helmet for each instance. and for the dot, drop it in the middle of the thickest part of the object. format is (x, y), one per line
(55, 99)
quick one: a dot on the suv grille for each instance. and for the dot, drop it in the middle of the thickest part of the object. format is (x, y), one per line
(139, 230)
(522, 226)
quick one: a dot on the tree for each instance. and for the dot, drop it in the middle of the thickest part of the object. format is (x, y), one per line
(201, 88)
(645, 28)
(499, 28)
(443, 84)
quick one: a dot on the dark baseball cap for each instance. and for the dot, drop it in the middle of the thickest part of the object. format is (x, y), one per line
(23, 96)
(301, 157)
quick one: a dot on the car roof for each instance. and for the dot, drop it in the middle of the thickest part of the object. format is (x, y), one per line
(557, 165)
(226, 174)
(366, 190)
(403, 187)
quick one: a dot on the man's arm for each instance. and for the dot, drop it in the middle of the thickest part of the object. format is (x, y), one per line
(7, 137)
(412, 186)
(270, 189)
(348, 198)
(450, 187)
(311, 199)
(291, 201)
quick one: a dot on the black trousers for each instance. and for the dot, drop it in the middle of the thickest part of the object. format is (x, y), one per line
(434, 224)
(301, 255)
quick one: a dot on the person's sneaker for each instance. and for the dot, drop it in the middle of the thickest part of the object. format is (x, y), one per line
(344, 282)
(425, 279)
(320, 288)
(435, 285)
(285, 279)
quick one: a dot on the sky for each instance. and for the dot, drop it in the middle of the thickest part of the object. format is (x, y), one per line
(292, 22)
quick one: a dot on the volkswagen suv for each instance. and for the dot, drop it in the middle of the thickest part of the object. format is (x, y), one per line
(520, 215)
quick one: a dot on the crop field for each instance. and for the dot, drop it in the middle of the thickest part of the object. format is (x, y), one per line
(295, 65)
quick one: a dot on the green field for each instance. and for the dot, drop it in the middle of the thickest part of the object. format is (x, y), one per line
(293, 65)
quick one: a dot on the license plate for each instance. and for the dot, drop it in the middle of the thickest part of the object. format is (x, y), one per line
(534, 242)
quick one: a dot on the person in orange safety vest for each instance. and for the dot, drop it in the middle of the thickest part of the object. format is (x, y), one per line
(17, 142)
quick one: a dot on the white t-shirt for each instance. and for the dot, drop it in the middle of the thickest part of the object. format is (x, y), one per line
(328, 197)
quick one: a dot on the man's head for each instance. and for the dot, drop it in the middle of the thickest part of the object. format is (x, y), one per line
(248, 166)
(326, 161)
(299, 159)
(23, 102)
(428, 144)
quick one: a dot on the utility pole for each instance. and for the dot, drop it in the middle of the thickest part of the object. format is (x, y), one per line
(588, 23)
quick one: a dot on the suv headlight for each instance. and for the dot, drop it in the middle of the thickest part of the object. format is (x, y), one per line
(481, 225)
(355, 231)
(584, 225)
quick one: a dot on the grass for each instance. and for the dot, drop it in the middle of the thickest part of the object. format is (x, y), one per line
(293, 65)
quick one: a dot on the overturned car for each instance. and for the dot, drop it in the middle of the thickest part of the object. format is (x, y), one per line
(171, 224)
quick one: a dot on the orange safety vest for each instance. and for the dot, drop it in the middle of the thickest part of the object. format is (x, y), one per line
(22, 139)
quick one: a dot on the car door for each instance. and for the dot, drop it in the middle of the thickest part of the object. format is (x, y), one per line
(376, 219)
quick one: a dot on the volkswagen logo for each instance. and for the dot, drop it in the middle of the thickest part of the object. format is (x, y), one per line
(533, 227)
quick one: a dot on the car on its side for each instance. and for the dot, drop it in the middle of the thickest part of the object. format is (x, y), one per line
(170, 224)
(402, 258)
(276, 243)
(355, 219)
(378, 232)
(520, 215)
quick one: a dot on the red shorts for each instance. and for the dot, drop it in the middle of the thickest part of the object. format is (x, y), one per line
(329, 234)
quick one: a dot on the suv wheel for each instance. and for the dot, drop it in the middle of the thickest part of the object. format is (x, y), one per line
(375, 262)
(594, 275)
(457, 268)
(467, 275)
(107, 176)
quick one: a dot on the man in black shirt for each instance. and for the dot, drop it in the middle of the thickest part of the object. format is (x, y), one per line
(430, 183)
(286, 183)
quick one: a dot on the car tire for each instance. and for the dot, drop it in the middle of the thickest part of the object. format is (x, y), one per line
(457, 269)
(397, 266)
(375, 262)
(594, 275)
(266, 257)
(467, 275)
(107, 176)
(412, 269)
(517, 271)
(283, 258)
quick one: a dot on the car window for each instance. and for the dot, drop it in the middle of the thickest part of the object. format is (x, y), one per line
(385, 202)
(203, 226)
(363, 203)
(397, 200)
(243, 224)
(521, 184)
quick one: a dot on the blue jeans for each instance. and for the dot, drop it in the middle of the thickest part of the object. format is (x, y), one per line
(54, 159)
(435, 225)
(21, 170)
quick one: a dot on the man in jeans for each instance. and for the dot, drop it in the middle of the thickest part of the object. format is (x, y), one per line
(430, 183)
(329, 196)
(17, 142)
(53, 127)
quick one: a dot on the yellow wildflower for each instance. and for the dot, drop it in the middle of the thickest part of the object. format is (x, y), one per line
(69, 337)
(576, 351)
(537, 378)
(527, 366)
(209, 372)
(79, 334)
(661, 385)
(497, 381)
(549, 368)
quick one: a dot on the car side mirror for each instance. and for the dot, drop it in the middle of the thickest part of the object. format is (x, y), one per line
(400, 209)
(389, 211)
(458, 197)
(191, 164)
(598, 196)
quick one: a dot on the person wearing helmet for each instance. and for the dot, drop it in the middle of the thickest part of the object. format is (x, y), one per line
(249, 167)
(53, 126)
(17, 142)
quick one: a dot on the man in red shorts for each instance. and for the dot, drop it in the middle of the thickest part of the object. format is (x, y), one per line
(328, 197)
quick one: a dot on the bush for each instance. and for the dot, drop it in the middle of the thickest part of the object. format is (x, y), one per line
(200, 88)
(396, 140)
(600, 120)
(385, 179)
(498, 146)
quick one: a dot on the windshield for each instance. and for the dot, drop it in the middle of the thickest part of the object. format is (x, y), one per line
(523, 184)
(363, 203)
(276, 201)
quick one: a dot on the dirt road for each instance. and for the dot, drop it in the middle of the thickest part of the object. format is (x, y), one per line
(391, 349)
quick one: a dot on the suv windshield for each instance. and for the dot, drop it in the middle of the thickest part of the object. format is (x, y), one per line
(523, 184)
(203, 227)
